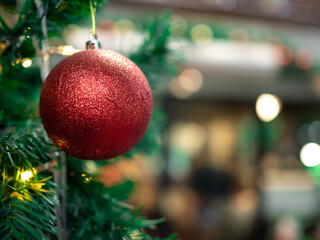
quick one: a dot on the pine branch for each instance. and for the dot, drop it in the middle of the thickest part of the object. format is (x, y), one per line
(26, 206)
(93, 211)
(155, 60)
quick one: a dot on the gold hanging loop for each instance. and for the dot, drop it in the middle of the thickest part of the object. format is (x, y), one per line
(93, 19)
(93, 42)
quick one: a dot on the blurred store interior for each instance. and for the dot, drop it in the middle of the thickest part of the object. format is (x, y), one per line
(239, 150)
(231, 168)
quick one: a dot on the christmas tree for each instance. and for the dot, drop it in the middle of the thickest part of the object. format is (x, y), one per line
(46, 194)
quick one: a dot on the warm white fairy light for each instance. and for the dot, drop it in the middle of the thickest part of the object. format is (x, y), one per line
(268, 107)
(67, 50)
(25, 176)
(310, 154)
(26, 62)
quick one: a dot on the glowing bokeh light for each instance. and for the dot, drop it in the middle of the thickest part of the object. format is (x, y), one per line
(303, 59)
(190, 79)
(188, 138)
(26, 62)
(268, 107)
(315, 83)
(314, 131)
(201, 34)
(106, 26)
(25, 176)
(239, 35)
(125, 25)
(273, 41)
(176, 89)
(283, 54)
(310, 154)
(178, 24)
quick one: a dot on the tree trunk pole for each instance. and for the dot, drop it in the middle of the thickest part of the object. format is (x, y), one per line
(60, 176)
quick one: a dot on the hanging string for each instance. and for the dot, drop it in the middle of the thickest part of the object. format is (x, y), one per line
(93, 19)
(93, 42)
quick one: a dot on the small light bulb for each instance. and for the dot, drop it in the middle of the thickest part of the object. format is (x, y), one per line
(87, 179)
(67, 50)
(26, 62)
(25, 176)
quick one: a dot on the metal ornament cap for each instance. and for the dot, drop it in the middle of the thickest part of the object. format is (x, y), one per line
(93, 42)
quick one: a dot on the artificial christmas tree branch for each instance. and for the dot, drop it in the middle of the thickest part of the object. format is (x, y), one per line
(27, 209)
(27, 203)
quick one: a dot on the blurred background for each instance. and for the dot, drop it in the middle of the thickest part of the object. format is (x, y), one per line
(239, 149)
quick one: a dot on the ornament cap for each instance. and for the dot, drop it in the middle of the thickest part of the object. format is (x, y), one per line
(93, 42)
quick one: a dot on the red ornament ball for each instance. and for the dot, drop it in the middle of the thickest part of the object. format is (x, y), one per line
(96, 104)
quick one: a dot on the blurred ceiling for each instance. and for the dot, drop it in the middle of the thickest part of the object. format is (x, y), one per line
(295, 11)
(241, 71)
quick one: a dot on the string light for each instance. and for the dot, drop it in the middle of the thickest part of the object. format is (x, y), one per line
(25, 176)
(27, 62)
(67, 50)
(87, 179)
(136, 235)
